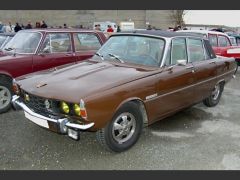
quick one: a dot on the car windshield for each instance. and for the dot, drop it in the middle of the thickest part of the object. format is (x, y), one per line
(133, 49)
(23, 42)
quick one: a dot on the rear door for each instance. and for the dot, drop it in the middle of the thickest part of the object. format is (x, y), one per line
(56, 50)
(205, 67)
(86, 45)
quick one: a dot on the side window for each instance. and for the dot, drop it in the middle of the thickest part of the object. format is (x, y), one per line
(213, 40)
(86, 41)
(223, 41)
(57, 43)
(179, 50)
(196, 51)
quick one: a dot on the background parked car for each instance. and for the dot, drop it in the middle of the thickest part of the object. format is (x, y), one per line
(220, 42)
(5, 38)
(39, 49)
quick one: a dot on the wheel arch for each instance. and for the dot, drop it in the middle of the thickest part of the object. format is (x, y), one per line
(6, 76)
(141, 106)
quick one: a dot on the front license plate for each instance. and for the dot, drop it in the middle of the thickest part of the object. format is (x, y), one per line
(36, 120)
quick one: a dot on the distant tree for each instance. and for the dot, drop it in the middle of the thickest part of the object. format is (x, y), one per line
(178, 17)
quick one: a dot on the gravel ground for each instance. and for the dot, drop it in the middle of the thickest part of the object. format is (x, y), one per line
(198, 138)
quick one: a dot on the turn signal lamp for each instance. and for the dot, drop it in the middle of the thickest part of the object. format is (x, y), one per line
(15, 88)
(83, 111)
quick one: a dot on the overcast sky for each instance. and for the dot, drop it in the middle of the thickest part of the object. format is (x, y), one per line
(215, 17)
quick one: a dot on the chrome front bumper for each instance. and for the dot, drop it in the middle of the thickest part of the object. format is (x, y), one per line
(64, 124)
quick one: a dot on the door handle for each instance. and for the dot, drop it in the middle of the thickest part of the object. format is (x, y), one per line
(192, 68)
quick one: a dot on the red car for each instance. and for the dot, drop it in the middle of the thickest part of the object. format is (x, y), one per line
(220, 42)
(38, 49)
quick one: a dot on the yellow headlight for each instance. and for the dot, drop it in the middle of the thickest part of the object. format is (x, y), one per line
(64, 107)
(77, 109)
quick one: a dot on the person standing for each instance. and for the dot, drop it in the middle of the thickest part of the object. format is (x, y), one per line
(110, 29)
(1, 27)
(43, 24)
(17, 27)
(38, 25)
(97, 27)
(118, 29)
(9, 28)
(29, 25)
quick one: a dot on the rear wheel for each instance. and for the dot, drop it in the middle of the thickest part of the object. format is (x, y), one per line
(124, 130)
(5, 95)
(215, 96)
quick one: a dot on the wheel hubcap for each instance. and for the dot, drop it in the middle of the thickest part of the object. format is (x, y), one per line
(216, 92)
(5, 97)
(123, 127)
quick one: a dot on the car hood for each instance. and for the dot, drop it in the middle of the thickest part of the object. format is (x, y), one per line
(84, 79)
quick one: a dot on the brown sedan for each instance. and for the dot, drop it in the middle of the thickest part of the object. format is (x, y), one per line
(135, 79)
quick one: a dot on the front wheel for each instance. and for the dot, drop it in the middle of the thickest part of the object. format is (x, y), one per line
(124, 130)
(215, 96)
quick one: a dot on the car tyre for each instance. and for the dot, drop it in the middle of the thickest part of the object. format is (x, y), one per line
(5, 95)
(124, 130)
(215, 96)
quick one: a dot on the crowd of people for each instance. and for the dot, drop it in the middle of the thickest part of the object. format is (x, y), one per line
(7, 28)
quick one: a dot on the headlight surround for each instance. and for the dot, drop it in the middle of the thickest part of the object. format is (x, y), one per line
(65, 107)
(74, 109)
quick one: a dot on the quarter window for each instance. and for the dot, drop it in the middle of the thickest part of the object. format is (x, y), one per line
(86, 41)
(57, 43)
(196, 51)
(179, 50)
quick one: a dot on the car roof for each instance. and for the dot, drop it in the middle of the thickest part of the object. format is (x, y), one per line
(159, 33)
(60, 30)
(201, 32)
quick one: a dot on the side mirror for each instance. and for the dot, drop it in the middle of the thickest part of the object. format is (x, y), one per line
(182, 62)
(46, 50)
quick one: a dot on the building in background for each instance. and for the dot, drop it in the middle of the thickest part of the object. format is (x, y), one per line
(160, 19)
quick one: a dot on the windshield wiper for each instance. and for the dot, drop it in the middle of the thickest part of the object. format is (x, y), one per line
(8, 49)
(116, 57)
(101, 56)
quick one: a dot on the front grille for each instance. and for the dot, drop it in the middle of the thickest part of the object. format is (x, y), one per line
(37, 104)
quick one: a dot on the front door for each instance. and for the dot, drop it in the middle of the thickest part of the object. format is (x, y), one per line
(174, 88)
(56, 50)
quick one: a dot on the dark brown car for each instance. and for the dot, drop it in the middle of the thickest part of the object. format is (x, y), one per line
(136, 79)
